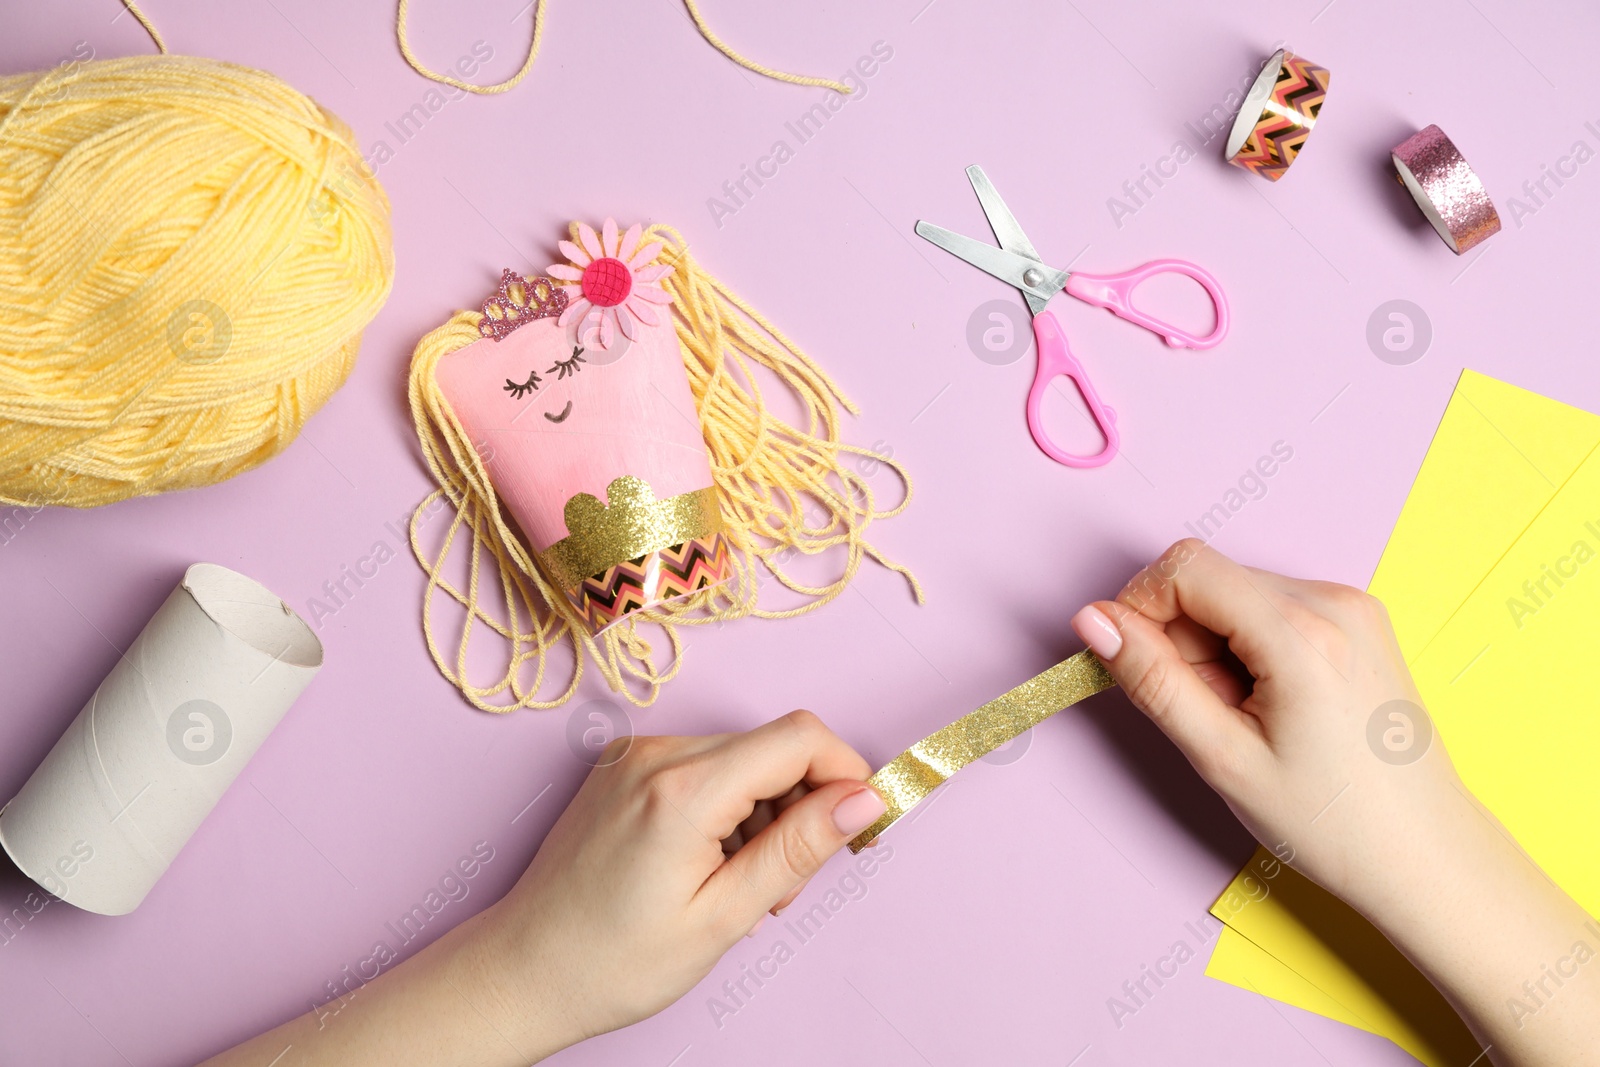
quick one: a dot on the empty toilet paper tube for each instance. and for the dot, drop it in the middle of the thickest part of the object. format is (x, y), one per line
(161, 739)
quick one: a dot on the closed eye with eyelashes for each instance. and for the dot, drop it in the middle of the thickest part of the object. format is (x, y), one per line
(518, 390)
(563, 367)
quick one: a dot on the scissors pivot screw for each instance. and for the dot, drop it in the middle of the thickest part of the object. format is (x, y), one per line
(1033, 277)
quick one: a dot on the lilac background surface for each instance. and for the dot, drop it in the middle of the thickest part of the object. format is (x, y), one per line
(1023, 899)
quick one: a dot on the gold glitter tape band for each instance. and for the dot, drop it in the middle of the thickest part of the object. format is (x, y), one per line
(631, 524)
(905, 780)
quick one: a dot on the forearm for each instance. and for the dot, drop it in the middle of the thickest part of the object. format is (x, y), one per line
(444, 1005)
(1515, 955)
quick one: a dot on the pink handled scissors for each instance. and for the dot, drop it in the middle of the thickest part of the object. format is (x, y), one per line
(1015, 261)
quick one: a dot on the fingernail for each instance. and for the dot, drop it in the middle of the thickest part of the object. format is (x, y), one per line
(858, 811)
(1098, 632)
(756, 927)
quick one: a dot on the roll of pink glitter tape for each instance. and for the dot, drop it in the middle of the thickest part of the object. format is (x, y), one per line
(1446, 189)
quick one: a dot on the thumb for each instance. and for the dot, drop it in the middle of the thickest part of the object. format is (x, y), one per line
(1161, 683)
(791, 849)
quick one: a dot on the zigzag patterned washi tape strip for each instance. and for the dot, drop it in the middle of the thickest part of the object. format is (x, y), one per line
(1286, 119)
(698, 563)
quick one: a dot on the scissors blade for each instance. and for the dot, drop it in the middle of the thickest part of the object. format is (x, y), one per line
(1007, 266)
(1004, 224)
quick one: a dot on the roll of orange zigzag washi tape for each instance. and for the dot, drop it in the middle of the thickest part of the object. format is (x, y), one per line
(1277, 115)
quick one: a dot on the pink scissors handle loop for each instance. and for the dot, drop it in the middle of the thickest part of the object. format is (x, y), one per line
(1055, 360)
(1114, 292)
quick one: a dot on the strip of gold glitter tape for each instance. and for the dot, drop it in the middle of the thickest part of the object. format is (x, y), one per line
(631, 524)
(905, 780)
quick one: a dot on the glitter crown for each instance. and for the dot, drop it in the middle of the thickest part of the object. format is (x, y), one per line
(518, 302)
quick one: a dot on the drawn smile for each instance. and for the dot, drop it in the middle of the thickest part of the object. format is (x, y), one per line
(561, 417)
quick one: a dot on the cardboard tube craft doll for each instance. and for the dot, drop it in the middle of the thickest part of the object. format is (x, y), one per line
(605, 443)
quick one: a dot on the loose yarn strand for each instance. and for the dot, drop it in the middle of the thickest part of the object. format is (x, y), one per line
(149, 27)
(446, 79)
(756, 68)
(771, 477)
(538, 36)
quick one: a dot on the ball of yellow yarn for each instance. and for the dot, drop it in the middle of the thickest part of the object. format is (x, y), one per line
(189, 251)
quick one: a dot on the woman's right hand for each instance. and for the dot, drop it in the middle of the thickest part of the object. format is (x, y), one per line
(1293, 700)
(1271, 686)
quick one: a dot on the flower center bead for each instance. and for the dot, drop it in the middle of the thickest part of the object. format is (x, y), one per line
(607, 282)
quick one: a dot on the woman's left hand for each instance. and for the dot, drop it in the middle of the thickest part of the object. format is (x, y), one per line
(673, 849)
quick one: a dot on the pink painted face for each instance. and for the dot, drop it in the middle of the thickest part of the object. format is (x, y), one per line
(554, 416)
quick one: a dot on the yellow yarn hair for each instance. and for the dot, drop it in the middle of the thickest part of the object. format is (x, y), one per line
(189, 251)
(766, 470)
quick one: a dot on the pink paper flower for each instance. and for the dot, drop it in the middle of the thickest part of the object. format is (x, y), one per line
(613, 280)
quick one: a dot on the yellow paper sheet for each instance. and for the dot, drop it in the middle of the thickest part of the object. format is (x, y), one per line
(1509, 494)
(1498, 458)
(1310, 949)
(1242, 962)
